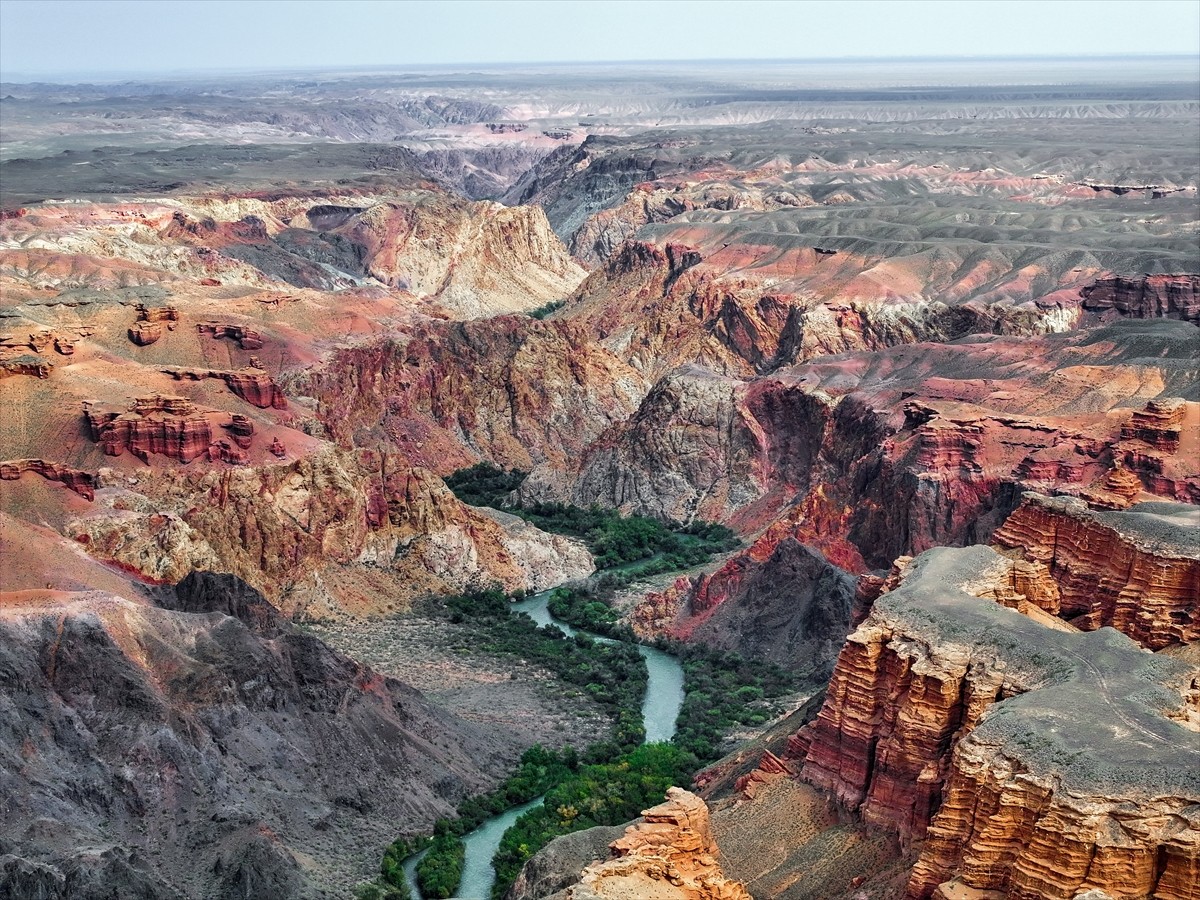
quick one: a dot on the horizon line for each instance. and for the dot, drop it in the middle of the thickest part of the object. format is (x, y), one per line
(123, 75)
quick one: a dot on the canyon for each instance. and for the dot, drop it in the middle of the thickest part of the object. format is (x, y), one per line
(935, 366)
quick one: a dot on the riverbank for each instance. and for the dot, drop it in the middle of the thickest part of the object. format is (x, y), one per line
(518, 702)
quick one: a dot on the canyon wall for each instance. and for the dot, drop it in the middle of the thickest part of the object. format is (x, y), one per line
(1136, 570)
(1003, 746)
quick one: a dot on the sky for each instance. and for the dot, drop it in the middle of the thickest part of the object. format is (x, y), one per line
(52, 39)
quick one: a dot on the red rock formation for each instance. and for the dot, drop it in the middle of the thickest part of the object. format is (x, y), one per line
(166, 425)
(247, 338)
(521, 388)
(669, 855)
(26, 364)
(252, 385)
(277, 448)
(40, 340)
(150, 321)
(1147, 296)
(1119, 488)
(1135, 571)
(1160, 424)
(222, 451)
(143, 333)
(777, 600)
(168, 315)
(242, 430)
(1001, 743)
(82, 483)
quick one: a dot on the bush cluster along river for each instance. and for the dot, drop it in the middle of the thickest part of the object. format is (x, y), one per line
(660, 709)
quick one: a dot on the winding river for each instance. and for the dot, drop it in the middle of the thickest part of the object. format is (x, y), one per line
(660, 709)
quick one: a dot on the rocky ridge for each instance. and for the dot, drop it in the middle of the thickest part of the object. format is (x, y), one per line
(152, 749)
(1005, 745)
(1136, 570)
(669, 853)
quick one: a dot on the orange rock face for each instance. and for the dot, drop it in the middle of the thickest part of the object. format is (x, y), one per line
(670, 855)
(1160, 424)
(26, 364)
(247, 338)
(1001, 745)
(1136, 570)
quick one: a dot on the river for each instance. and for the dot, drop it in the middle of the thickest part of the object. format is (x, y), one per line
(660, 709)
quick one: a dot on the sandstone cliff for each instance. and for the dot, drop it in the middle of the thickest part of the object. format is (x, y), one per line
(1136, 570)
(670, 854)
(82, 483)
(1015, 751)
(1148, 297)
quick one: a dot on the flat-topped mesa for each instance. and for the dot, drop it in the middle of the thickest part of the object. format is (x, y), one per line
(149, 325)
(40, 341)
(254, 386)
(145, 333)
(165, 313)
(247, 338)
(1136, 570)
(671, 855)
(26, 364)
(152, 425)
(1147, 296)
(1160, 424)
(1015, 751)
(82, 483)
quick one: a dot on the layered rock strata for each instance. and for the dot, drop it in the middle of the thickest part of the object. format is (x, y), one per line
(254, 386)
(1147, 297)
(1014, 751)
(82, 483)
(246, 338)
(669, 855)
(1136, 570)
(171, 426)
(26, 364)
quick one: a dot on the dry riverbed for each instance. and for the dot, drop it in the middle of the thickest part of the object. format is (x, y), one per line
(522, 703)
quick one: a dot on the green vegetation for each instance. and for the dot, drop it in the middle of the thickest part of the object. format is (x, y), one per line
(374, 891)
(637, 546)
(440, 869)
(606, 793)
(612, 781)
(584, 607)
(391, 870)
(485, 485)
(722, 691)
(613, 675)
(546, 308)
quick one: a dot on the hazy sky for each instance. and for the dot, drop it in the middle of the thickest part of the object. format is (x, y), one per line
(40, 38)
